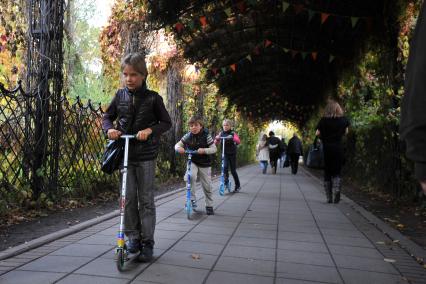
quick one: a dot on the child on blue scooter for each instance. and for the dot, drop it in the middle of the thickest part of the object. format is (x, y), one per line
(230, 159)
(199, 139)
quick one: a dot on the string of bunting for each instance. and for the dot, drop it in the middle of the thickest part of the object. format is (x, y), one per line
(242, 7)
(268, 44)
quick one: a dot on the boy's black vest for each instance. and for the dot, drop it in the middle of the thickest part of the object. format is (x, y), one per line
(230, 147)
(195, 142)
(135, 112)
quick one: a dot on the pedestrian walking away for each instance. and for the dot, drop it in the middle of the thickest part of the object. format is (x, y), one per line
(331, 129)
(198, 139)
(275, 150)
(230, 152)
(262, 153)
(294, 151)
(137, 110)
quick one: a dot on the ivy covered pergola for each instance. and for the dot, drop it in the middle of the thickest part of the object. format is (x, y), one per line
(275, 59)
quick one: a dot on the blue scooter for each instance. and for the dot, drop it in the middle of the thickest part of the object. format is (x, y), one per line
(188, 204)
(224, 186)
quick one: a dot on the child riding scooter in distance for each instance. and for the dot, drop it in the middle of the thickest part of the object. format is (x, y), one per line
(198, 139)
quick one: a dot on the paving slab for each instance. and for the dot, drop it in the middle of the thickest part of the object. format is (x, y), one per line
(278, 229)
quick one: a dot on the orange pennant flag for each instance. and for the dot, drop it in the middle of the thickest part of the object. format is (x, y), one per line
(179, 27)
(268, 43)
(324, 17)
(203, 21)
(233, 67)
(314, 55)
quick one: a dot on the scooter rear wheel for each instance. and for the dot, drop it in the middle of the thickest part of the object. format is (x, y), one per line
(229, 186)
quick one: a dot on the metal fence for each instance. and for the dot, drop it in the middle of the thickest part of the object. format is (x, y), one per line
(70, 153)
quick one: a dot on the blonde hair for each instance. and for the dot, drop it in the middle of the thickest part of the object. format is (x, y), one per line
(135, 60)
(228, 121)
(333, 109)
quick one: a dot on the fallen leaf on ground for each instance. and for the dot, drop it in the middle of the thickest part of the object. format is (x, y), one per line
(389, 260)
(195, 256)
(396, 241)
(380, 243)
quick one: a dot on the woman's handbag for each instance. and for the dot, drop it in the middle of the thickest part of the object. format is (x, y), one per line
(315, 158)
(112, 156)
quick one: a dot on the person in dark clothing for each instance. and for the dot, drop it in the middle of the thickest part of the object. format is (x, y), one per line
(230, 152)
(283, 152)
(139, 111)
(413, 114)
(294, 151)
(331, 129)
(275, 149)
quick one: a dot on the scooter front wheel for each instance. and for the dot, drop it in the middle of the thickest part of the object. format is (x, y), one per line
(222, 189)
(120, 259)
(188, 209)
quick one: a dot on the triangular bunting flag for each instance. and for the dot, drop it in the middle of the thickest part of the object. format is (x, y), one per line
(179, 27)
(324, 17)
(285, 6)
(286, 50)
(214, 70)
(314, 55)
(256, 50)
(298, 8)
(268, 43)
(249, 57)
(223, 70)
(331, 58)
(293, 53)
(228, 12)
(311, 14)
(354, 21)
(304, 55)
(233, 67)
(203, 21)
(241, 6)
(191, 25)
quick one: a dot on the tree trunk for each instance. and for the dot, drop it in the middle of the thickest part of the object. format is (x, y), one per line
(175, 108)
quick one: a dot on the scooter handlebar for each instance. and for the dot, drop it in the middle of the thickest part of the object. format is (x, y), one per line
(192, 152)
(127, 136)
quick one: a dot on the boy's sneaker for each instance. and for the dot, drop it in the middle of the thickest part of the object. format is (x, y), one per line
(146, 253)
(209, 210)
(194, 204)
(134, 245)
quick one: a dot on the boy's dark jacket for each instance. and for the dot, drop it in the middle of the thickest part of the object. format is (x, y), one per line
(145, 108)
(197, 141)
(413, 110)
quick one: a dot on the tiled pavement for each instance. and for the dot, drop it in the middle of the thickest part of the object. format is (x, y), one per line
(278, 229)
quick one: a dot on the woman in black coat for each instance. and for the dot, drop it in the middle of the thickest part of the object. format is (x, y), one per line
(331, 129)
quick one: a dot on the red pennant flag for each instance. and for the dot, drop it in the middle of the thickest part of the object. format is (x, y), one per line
(203, 21)
(298, 8)
(314, 55)
(268, 43)
(324, 17)
(256, 50)
(233, 67)
(179, 27)
(214, 70)
(241, 6)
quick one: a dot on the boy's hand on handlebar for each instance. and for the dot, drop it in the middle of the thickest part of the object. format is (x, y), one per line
(180, 150)
(201, 151)
(113, 134)
(143, 134)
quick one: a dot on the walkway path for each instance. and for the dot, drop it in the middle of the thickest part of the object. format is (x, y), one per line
(278, 229)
